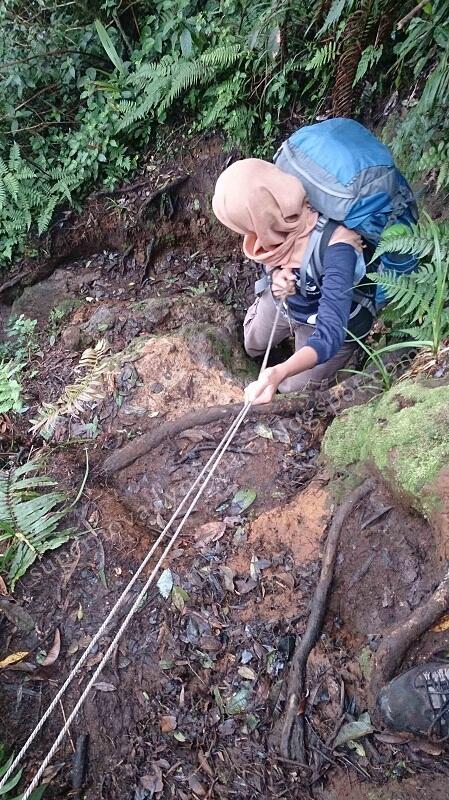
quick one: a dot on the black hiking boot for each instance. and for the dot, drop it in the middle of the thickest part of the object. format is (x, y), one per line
(418, 701)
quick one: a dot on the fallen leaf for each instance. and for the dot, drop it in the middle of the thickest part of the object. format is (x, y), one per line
(392, 738)
(227, 728)
(80, 613)
(354, 730)
(54, 651)
(431, 748)
(17, 615)
(228, 577)
(442, 624)
(204, 764)
(102, 686)
(245, 586)
(179, 736)
(152, 783)
(280, 433)
(358, 747)
(179, 597)
(197, 787)
(165, 583)
(167, 724)
(237, 702)
(247, 673)
(263, 430)
(13, 659)
(3, 589)
(210, 532)
(244, 499)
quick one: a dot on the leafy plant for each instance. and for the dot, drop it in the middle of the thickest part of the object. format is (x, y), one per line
(420, 299)
(10, 387)
(5, 791)
(29, 518)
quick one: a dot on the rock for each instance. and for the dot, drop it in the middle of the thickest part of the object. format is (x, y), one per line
(404, 436)
(36, 302)
(71, 337)
(101, 320)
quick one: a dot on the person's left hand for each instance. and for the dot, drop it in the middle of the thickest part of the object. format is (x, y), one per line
(264, 389)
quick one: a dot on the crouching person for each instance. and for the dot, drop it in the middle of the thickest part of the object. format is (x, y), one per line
(312, 266)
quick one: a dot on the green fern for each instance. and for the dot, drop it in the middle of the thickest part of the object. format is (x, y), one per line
(163, 82)
(29, 518)
(370, 56)
(323, 55)
(419, 299)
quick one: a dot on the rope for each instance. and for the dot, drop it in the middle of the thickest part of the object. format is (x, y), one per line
(211, 465)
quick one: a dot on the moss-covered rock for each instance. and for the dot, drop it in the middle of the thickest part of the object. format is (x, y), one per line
(404, 435)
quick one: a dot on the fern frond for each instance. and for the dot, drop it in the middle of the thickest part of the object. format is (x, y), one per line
(419, 240)
(323, 56)
(29, 518)
(84, 392)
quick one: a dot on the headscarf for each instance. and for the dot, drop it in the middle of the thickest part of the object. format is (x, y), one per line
(269, 207)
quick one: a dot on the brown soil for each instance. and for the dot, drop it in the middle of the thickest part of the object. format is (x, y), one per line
(186, 706)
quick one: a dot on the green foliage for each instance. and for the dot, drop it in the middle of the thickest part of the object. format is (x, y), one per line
(85, 86)
(421, 140)
(12, 782)
(10, 387)
(418, 300)
(29, 519)
(15, 354)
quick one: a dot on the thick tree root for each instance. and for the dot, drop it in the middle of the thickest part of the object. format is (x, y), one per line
(398, 639)
(292, 734)
(286, 406)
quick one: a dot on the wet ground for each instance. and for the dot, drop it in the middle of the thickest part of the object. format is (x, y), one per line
(188, 703)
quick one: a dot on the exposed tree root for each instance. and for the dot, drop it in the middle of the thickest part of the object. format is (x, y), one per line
(286, 406)
(398, 638)
(292, 734)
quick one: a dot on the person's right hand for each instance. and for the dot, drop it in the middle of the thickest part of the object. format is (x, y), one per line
(283, 283)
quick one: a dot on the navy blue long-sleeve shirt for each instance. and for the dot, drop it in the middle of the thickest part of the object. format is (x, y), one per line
(328, 307)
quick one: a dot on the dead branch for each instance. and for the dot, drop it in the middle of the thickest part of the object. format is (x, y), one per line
(398, 638)
(293, 743)
(134, 187)
(411, 14)
(205, 416)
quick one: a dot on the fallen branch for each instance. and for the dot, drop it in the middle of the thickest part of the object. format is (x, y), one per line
(292, 743)
(398, 639)
(411, 14)
(134, 187)
(205, 416)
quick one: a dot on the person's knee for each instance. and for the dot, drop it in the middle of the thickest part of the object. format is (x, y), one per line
(251, 348)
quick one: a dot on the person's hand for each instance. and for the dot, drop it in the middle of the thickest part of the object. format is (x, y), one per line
(283, 283)
(264, 389)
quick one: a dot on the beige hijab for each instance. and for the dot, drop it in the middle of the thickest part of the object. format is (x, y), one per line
(269, 207)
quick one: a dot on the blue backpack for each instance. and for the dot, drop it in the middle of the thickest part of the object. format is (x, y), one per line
(350, 177)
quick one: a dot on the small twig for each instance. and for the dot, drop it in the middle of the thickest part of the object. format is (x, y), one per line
(293, 743)
(83, 482)
(65, 723)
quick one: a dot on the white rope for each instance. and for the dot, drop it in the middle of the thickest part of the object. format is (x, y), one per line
(115, 608)
(212, 465)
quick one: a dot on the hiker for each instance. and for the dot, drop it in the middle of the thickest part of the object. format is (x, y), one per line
(313, 220)
(270, 209)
